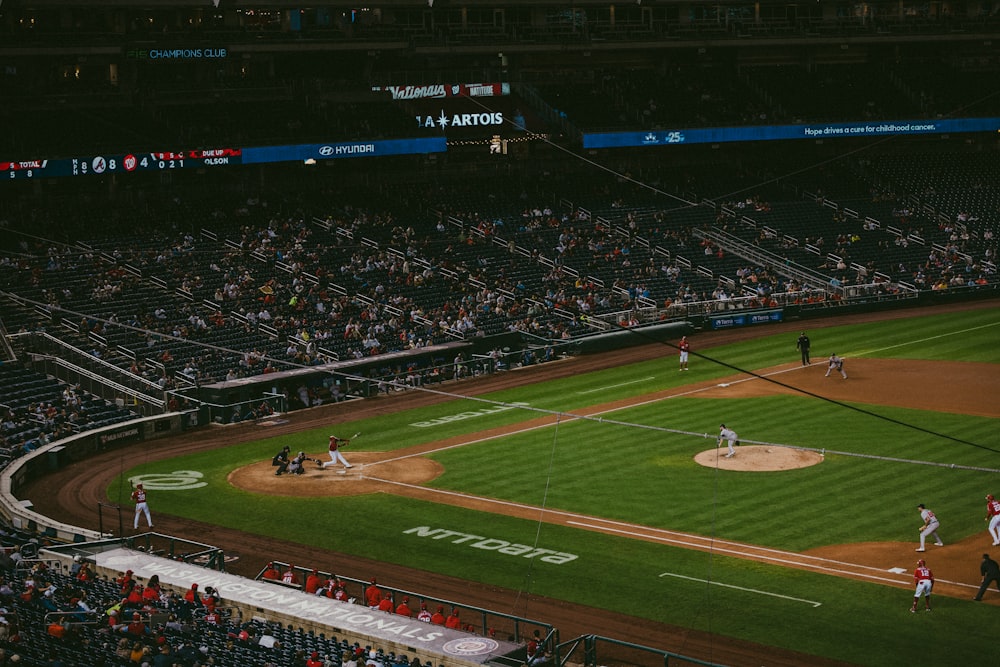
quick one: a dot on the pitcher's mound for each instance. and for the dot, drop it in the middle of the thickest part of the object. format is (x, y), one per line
(758, 458)
(371, 472)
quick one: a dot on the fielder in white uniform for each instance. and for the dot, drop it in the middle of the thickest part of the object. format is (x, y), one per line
(731, 439)
(930, 527)
(835, 363)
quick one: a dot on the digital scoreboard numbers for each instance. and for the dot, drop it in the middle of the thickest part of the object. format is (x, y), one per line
(26, 169)
(122, 163)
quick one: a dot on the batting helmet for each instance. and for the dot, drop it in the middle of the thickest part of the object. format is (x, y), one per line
(920, 563)
(989, 496)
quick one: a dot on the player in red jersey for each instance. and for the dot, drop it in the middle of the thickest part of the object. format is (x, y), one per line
(683, 348)
(993, 516)
(403, 608)
(923, 578)
(373, 595)
(139, 498)
(313, 582)
(437, 618)
(336, 457)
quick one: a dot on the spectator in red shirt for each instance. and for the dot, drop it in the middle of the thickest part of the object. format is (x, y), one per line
(136, 627)
(135, 596)
(211, 598)
(125, 580)
(192, 596)
(313, 660)
(151, 594)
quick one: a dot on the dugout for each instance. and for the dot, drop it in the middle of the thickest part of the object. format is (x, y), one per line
(282, 606)
(241, 399)
(337, 381)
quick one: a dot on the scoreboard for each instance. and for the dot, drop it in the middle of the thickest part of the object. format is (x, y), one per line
(122, 163)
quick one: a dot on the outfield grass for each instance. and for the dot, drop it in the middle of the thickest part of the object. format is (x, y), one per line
(646, 476)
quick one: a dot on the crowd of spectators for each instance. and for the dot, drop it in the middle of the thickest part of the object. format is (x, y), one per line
(53, 615)
(36, 410)
(297, 277)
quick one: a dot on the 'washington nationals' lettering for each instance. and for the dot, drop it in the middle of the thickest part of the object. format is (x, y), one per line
(297, 603)
(468, 415)
(492, 544)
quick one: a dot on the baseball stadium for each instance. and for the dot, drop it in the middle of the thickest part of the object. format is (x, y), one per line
(448, 333)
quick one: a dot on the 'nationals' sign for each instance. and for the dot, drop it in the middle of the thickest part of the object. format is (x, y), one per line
(439, 90)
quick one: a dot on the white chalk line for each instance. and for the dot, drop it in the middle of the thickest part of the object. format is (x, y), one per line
(681, 394)
(561, 417)
(747, 551)
(688, 540)
(685, 540)
(929, 338)
(743, 588)
(615, 386)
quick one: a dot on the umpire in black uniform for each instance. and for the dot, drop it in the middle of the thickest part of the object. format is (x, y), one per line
(991, 575)
(803, 344)
(281, 460)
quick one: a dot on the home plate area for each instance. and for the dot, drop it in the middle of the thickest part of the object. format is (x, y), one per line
(370, 472)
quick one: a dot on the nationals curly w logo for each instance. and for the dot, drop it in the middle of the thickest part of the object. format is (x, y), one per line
(178, 480)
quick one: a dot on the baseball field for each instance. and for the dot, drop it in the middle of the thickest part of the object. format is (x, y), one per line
(605, 490)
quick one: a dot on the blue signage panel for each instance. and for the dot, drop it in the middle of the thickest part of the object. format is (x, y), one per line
(720, 135)
(333, 151)
(746, 319)
(215, 157)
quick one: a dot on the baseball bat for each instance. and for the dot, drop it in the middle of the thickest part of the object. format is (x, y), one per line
(355, 435)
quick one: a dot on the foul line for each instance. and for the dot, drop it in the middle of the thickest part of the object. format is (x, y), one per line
(741, 588)
(615, 386)
(596, 417)
(929, 338)
(745, 551)
(684, 540)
